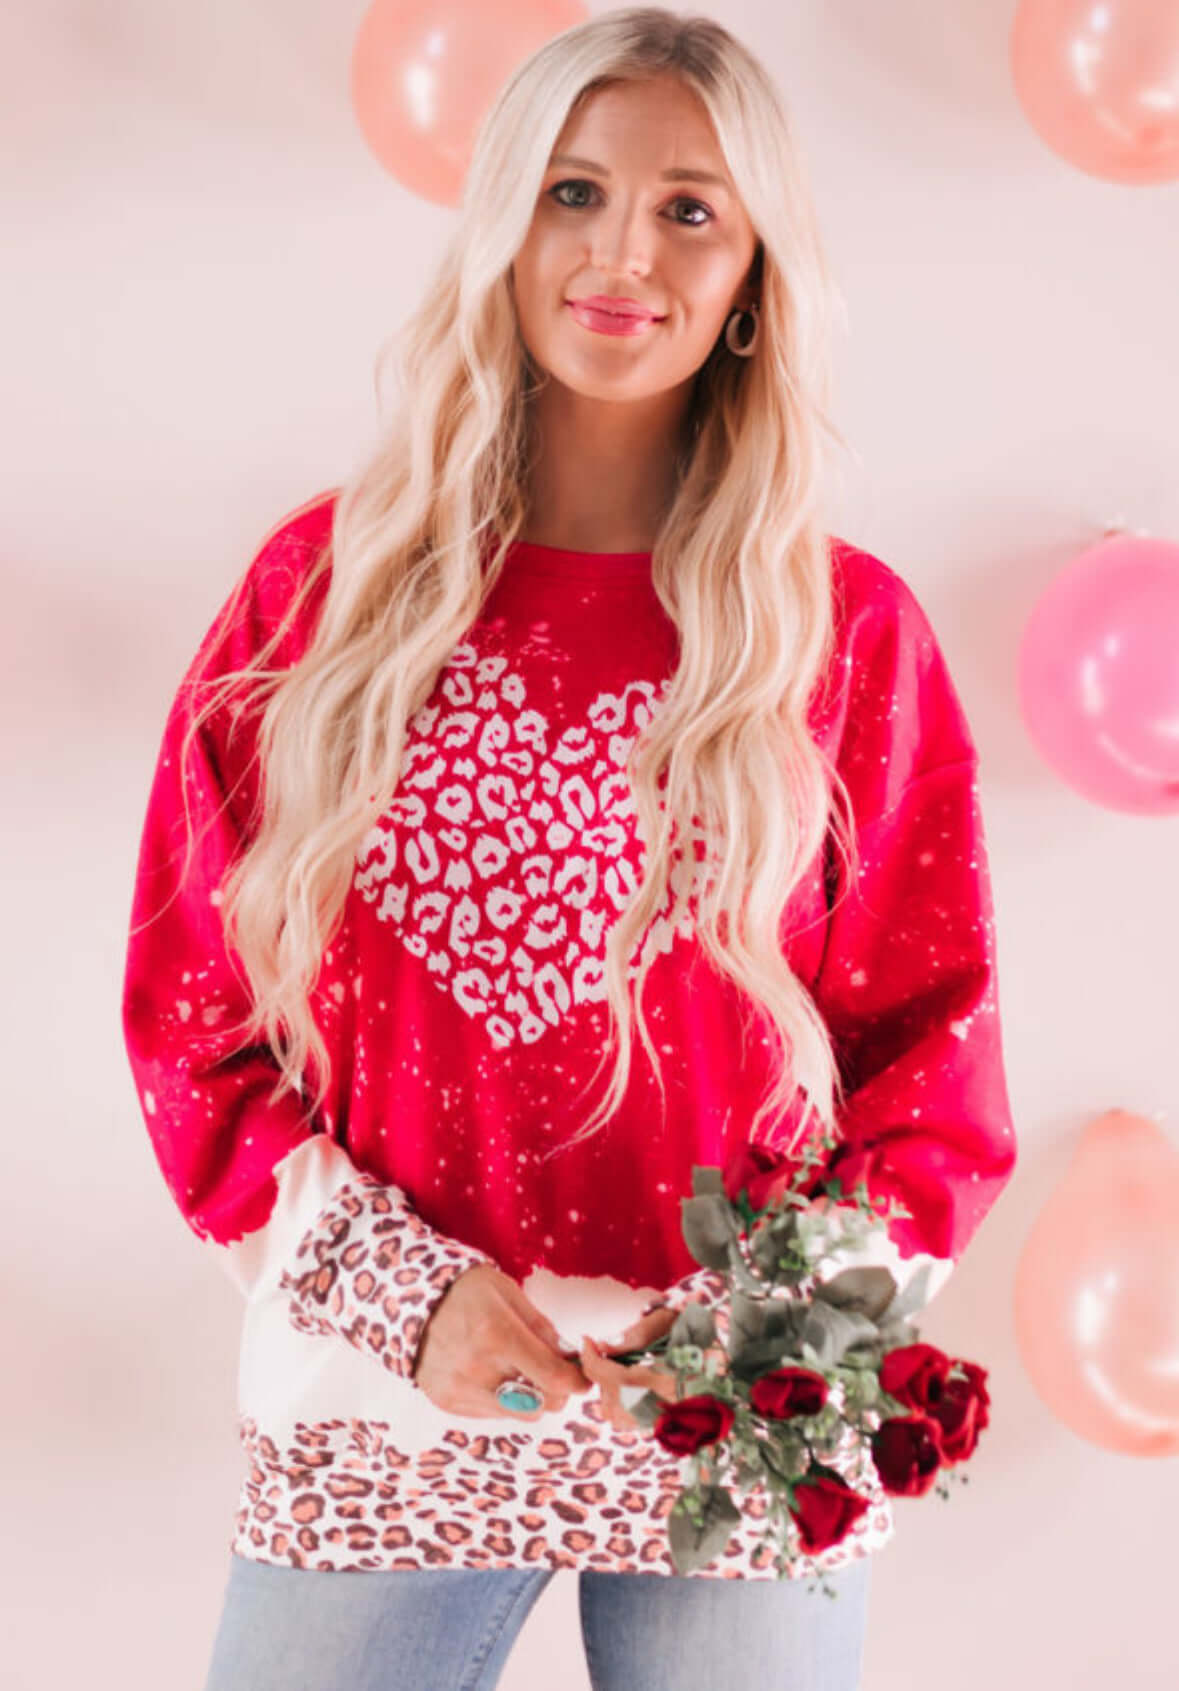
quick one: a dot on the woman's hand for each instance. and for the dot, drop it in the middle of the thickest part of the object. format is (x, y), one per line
(483, 1329)
(612, 1376)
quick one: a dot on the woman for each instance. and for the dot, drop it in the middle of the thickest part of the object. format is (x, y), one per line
(567, 691)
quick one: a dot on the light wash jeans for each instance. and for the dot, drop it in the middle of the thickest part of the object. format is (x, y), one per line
(452, 1629)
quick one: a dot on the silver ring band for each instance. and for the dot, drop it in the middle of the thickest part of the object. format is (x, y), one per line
(519, 1395)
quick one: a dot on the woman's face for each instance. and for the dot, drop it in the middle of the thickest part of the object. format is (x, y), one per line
(609, 221)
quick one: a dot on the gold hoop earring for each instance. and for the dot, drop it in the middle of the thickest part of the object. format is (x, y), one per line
(731, 331)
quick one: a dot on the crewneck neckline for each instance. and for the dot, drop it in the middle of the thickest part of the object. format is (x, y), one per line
(564, 562)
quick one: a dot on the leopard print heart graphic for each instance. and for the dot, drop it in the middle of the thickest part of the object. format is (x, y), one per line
(505, 852)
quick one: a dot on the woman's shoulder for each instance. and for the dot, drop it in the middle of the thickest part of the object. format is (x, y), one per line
(293, 542)
(280, 564)
(896, 708)
(873, 600)
(265, 589)
(881, 626)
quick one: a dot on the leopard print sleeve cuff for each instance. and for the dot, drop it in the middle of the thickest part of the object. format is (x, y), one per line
(704, 1285)
(373, 1272)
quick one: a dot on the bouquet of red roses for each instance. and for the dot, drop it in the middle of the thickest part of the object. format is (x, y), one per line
(811, 1361)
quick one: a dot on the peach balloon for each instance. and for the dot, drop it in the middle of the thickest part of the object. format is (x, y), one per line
(1100, 83)
(1098, 674)
(424, 72)
(1097, 1290)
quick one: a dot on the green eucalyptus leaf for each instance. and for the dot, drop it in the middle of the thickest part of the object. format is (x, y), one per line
(829, 1332)
(760, 1356)
(694, 1543)
(708, 1228)
(862, 1291)
(774, 1240)
(694, 1325)
(865, 1354)
(707, 1180)
(749, 1318)
(761, 1331)
(915, 1295)
(647, 1409)
(868, 1390)
(786, 1457)
(893, 1334)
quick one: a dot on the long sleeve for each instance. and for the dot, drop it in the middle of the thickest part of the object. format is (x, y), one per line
(908, 990)
(271, 1194)
(907, 983)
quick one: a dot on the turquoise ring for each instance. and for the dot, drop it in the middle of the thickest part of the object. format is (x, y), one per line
(518, 1395)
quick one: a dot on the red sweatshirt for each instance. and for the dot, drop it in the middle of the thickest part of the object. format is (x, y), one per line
(462, 1002)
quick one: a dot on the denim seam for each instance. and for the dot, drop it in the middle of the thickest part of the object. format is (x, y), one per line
(495, 1632)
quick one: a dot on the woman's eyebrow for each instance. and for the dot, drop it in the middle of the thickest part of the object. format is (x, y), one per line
(685, 174)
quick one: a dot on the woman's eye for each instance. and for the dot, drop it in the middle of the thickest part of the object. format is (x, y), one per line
(681, 199)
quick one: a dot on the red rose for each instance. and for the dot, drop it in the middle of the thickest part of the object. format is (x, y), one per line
(977, 1378)
(907, 1452)
(915, 1375)
(825, 1508)
(684, 1426)
(762, 1172)
(962, 1413)
(849, 1164)
(789, 1391)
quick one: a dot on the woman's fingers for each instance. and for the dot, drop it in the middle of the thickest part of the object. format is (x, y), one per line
(610, 1376)
(645, 1330)
(605, 1375)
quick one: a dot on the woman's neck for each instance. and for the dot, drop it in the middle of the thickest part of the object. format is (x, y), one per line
(604, 476)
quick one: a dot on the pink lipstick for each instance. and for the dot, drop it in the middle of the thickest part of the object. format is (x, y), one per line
(610, 316)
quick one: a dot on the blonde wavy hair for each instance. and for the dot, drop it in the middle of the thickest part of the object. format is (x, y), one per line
(742, 565)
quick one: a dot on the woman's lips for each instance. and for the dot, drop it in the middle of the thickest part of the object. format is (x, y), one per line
(610, 322)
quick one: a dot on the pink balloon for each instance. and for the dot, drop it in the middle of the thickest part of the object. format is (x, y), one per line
(424, 72)
(1097, 1290)
(1099, 82)
(1099, 674)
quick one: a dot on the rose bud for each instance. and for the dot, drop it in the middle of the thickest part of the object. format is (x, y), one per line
(977, 1378)
(825, 1508)
(788, 1391)
(758, 1170)
(907, 1452)
(958, 1418)
(849, 1165)
(915, 1374)
(687, 1425)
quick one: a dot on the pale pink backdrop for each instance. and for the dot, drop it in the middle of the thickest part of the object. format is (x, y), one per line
(201, 260)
